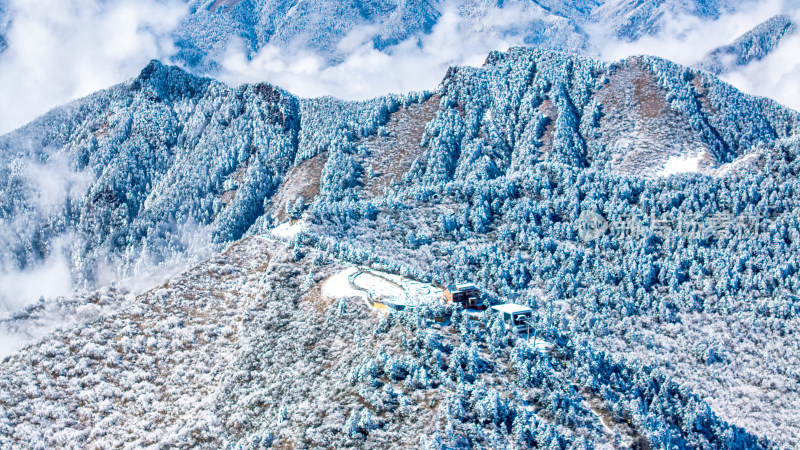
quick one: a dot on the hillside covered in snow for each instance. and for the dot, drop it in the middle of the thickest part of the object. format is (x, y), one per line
(168, 163)
(751, 46)
(247, 350)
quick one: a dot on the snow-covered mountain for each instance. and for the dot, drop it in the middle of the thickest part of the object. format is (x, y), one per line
(633, 19)
(169, 163)
(321, 26)
(210, 26)
(751, 46)
(211, 29)
(205, 33)
(645, 211)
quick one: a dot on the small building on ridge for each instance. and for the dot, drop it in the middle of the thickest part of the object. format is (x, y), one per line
(466, 295)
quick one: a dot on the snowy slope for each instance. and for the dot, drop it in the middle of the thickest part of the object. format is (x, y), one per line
(164, 166)
(527, 106)
(751, 46)
(235, 352)
(34, 322)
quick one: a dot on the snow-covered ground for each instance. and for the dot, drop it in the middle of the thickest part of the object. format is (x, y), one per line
(740, 162)
(338, 285)
(36, 321)
(387, 288)
(379, 287)
(681, 164)
(541, 345)
(287, 230)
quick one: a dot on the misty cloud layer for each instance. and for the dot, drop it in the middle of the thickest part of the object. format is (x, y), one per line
(420, 64)
(415, 64)
(686, 40)
(60, 50)
(777, 76)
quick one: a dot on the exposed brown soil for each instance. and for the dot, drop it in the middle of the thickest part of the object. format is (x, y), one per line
(303, 180)
(237, 176)
(701, 91)
(640, 129)
(391, 156)
(633, 89)
(649, 95)
(102, 131)
(228, 196)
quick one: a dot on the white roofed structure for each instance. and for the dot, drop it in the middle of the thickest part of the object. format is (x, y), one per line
(511, 308)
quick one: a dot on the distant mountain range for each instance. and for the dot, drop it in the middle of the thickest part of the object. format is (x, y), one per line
(209, 28)
(210, 25)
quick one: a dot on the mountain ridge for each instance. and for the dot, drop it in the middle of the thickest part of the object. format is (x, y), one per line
(752, 46)
(259, 119)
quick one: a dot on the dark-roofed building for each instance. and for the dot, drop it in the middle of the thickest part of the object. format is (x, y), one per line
(466, 295)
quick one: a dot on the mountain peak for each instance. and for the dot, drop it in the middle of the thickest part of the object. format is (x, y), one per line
(166, 82)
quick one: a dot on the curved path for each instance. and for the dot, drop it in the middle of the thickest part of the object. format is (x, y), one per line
(352, 279)
(372, 297)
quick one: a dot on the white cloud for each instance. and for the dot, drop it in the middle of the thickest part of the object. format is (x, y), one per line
(466, 39)
(60, 50)
(415, 64)
(52, 183)
(47, 185)
(687, 39)
(50, 279)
